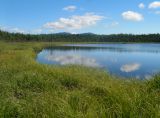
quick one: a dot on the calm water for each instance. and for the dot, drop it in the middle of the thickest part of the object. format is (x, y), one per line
(127, 60)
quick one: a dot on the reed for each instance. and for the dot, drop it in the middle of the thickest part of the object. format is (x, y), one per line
(32, 90)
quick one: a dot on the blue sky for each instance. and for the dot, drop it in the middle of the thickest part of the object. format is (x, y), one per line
(80, 16)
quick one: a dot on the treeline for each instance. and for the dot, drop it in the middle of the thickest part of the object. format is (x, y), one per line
(87, 37)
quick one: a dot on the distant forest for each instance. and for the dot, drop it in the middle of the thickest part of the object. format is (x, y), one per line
(86, 37)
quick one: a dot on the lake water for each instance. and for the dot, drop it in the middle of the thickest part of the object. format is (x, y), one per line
(127, 60)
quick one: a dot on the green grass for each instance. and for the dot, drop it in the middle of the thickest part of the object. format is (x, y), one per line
(32, 90)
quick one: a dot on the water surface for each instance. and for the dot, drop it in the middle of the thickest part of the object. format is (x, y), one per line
(127, 60)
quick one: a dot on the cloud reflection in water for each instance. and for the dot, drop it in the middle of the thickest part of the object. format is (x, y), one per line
(73, 59)
(130, 67)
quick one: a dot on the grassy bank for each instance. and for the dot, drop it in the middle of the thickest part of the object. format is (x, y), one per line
(29, 89)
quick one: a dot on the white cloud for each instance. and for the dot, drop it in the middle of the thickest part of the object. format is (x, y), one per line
(70, 8)
(74, 22)
(18, 30)
(141, 6)
(3, 28)
(157, 12)
(73, 59)
(37, 31)
(113, 24)
(154, 5)
(130, 67)
(132, 16)
(13, 29)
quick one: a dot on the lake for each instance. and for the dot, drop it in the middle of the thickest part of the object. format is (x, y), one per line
(127, 60)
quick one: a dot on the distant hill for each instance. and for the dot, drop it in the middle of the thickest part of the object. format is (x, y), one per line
(63, 33)
(85, 37)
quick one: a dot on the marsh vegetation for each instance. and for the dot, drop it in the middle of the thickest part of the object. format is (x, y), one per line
(30, 89)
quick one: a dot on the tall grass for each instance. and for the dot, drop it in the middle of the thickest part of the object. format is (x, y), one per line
(32, 90)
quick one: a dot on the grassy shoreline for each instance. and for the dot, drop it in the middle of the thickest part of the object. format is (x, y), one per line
(29, 89)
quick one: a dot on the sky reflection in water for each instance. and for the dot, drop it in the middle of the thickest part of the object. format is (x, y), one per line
(128, 60)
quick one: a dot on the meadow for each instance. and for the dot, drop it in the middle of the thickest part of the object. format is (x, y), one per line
(32, 90)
